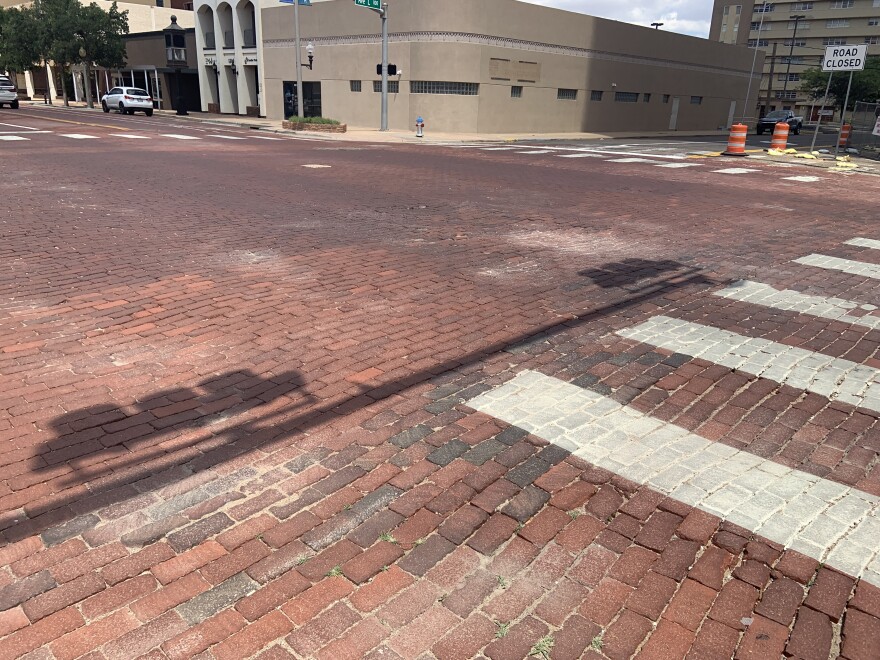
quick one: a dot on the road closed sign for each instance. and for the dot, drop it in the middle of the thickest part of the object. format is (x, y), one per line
(845, 58)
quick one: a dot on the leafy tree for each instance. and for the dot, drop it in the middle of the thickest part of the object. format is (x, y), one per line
(19, 40)
(100, 33)
(865, 84)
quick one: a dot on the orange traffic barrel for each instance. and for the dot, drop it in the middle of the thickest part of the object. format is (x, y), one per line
(736, 143)
(780, 136)
(845, 132)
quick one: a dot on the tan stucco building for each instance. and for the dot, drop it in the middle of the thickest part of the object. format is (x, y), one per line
(481, 66)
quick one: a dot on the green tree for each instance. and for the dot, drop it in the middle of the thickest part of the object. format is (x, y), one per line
(19, 40)
(57, 39)
(100, 34)
(865, 84)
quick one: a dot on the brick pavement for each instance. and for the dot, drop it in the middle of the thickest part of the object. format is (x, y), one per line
(235, 418)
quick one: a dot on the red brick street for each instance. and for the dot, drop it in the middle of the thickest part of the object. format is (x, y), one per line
(429, 401)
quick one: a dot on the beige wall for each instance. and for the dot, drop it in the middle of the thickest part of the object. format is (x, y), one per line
(634, 59)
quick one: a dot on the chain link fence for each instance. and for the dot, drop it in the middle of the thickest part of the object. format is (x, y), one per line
(864, 118)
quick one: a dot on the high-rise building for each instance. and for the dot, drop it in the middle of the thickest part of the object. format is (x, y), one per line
(799, 32)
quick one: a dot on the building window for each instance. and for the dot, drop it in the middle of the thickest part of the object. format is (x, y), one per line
(766, 7)
(798, 42)
(566, 94)
(646, 97)
(666, 98)
(188, 6)
(516, 92)
(696, 100)
(874, 21)
(727, 10)
(626, 97)
(596, 95)
(443, 87)
(755, 25)
(759, 43)
(791, 77)
(355, 85)
(797, 59)
(833, 41)
(160, 3)
(801, 25)
(842, 4)
(801, 6)
(872, 40)
(393, 86)
(786, 95)
(837, 23)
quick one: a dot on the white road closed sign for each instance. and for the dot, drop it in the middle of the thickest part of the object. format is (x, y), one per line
(845, 58)
(876, 130)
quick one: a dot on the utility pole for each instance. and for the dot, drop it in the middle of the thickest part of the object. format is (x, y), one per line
(383, 122)
(752, 72)
(770, 81)
(299, 75)
(797, 19)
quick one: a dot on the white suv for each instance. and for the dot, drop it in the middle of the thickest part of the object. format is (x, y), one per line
(8, 94)
(128, 100)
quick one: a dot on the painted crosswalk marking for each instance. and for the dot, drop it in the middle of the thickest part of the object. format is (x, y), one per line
(735, 170)
(802, 179)
(13, 138)
(227, 137)
(678, 165)
(176, 136)
(836, 309)
(534, 153)
(871, 271)
(130, 136)
(822, 519)
(266, 137)
(79, 136)
(633, 160)
(499, 148)
(581, 155)
(835, 378)
(864, 242)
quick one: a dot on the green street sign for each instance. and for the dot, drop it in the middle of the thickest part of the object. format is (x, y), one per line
(369, 4)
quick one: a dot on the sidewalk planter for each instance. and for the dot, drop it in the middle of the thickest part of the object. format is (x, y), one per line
(214, 108)
(309, 126)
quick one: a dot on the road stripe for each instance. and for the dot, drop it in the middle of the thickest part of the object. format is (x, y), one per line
(581, 156)
(677, 165)
(802, 179)
(633, 160)
(130, 136)
(835, 378)
(13, 138)
(27, 128)
(79, 136)
(500, 148)
(735, 170)
(180, 137)
(836, 309)
(265, 137)
(539, 151)
(823, 519)
(612, 152)
(227, 137)
(864, 242)
(871, 271)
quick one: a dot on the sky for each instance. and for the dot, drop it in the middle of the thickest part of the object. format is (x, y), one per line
(685, 16)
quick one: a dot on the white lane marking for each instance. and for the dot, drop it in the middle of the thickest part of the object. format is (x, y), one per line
(835, 378)
(765, 295)
(676, 165)
(844, 265)
(802, 179)
(11, 138)
(820, 518)
(29, 131)
(314, 166)
(180, 137)
(864, 242)
(78, 136)
(735, 170)
(539, 151)
(500, 148)
(27, 128)
(228, 137)
(633, 160)
(264, 137)
(130, 136)
(581, 156)
(611, 152)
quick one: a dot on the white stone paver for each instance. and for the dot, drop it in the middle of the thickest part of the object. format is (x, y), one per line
(828, 521)
(871, 271)
(864, 242)
(836, 309)
(835, 378)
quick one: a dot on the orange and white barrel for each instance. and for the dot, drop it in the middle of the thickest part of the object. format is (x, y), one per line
(780, 136)
(845, 132)
(736, 143)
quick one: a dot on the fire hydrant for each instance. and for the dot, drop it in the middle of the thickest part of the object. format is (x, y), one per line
(420, 127)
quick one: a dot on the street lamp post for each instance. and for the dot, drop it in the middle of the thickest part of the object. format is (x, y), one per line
(175, 55)
(797, 19)
(656, 26)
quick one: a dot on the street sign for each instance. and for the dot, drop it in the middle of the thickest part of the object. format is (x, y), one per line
(845, 58)
(369, 4)
(876, 130)
(307, 3)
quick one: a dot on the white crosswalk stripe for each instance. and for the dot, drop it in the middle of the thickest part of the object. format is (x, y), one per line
(677, 165)
(835, 378)
(130, 136)
(227, 137)
(79, 136)
(864, 242)
(871, 271)
(836, 309)
(634, 160)
(177, 136)
(802, 179)
(735, 170)
(535, 153)
(580, 155)
(13, 138)
(820, 518)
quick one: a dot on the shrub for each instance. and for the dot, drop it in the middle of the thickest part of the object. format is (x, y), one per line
(312, 120)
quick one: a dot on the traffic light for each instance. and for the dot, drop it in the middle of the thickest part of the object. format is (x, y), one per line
(392, 69)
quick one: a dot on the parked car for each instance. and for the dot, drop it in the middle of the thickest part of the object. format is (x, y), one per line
(768, 123)
(128, 100)
(8, 93)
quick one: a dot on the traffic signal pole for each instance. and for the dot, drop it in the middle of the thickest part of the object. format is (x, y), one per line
(383, 122)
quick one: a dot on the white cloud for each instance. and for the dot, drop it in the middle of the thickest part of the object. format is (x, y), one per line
(685, 16)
